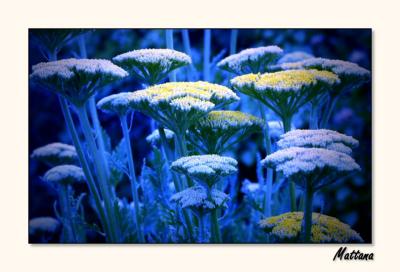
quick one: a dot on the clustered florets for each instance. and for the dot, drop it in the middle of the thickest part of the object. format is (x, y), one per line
(320, 138)
(325, 229)
(197, 197)
(64, 175)
(55, 154)
(304, 161)
(249, 60)
(76, 79)
(229, 119)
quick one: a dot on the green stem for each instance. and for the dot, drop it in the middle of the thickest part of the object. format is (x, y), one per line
(207, 54)
(287, 125)
(215, 226)
(131, 165)
(67, 215)
(202, 231)
(307, 216)
(84, 163)
(99, 132)
(169, 36)
(100, 170)
(329, 110)
(314, 116)
(180, 144)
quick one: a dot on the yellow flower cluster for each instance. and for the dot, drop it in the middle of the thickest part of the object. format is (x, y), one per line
(294, 80)
(285, 80)
(184, 96)
(325, 229)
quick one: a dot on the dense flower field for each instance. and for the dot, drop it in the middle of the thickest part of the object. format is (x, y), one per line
(154, 136)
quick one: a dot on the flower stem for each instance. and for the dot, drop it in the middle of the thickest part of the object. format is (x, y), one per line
(328, 113)
(84, 163)
(207, 54)
(307, 216)
(133, 180)
(66, 213)
(169, 36)
(287, 125)
(233, 41)
(215, 225)
(314, 116)
(100, 170)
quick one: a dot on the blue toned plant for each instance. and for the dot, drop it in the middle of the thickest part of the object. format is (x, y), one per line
(77, 80)
(220, 130)
(164, 158)
(206, 170)
(62, 178)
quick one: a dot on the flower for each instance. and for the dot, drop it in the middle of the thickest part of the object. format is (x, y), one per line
(251, 60)
(115, 103)
(64, 175)
(177, 105)
(325, 229)
(350, 74)
(206, 169)
(76, 79)
(286, 91)
(55, 154)
(321, 138)
(154, 137)
(197, 198)
(217, 128)
(43, 225)
(152, 65)
(303, 162)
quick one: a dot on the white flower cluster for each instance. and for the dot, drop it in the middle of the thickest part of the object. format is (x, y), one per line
(294, 57)
(196, 197)
(69, 68)
(154, 137)
(43, 225)
(55, 153)
(338, 67)
(320, 138)
(64, 174)
(249, 187)
(305, 161)
(162, 57)
(115, 103)
(205, 166)
(229, 119)
(237, 62)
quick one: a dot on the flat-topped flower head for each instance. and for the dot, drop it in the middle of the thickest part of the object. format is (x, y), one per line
(154, 137)
(198, 199)
(324, 229)
(151, 66)
(64, 175)
(55, 154)
(206, 169)
(177, 105)
(251, 60)
(351, 74)
(286, 91)
(43, 225)
(76, 79)
(320, 138)
(303, 163)
(348, 72)
(115, 103)
(217, 128)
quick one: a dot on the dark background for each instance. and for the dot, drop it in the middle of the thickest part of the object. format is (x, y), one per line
(349, 200)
